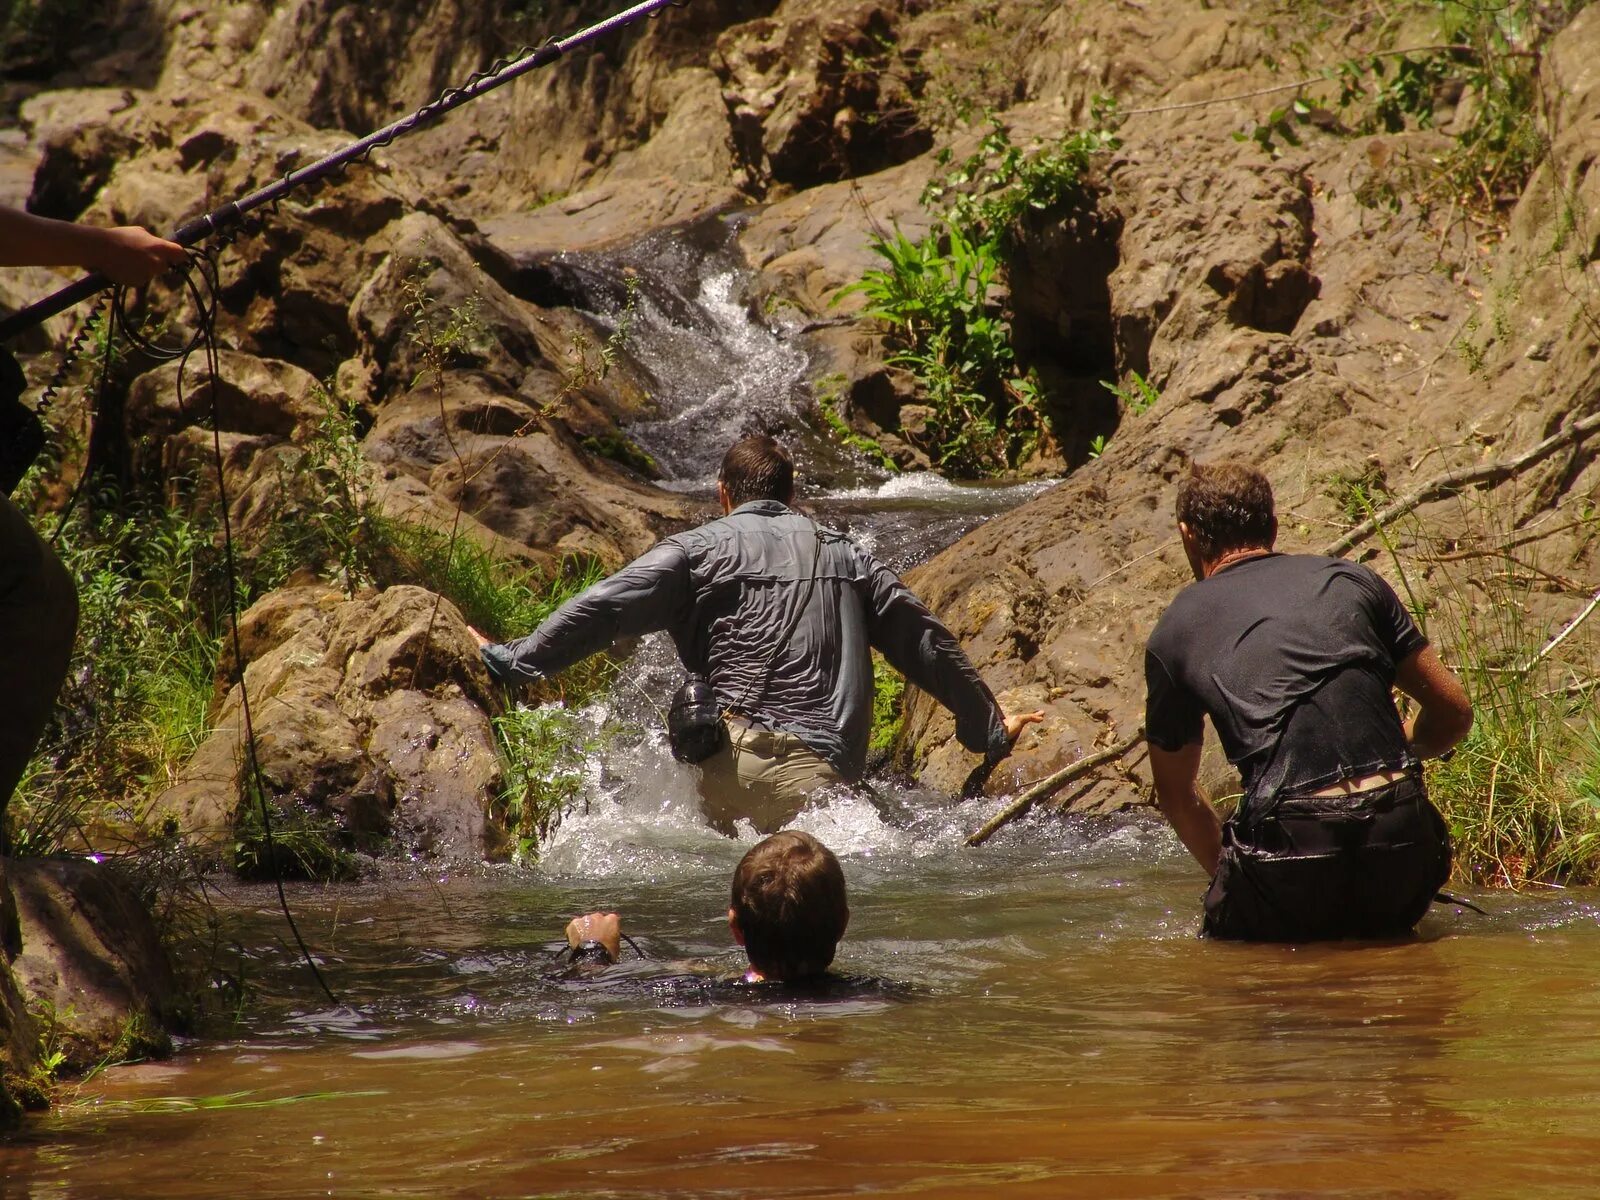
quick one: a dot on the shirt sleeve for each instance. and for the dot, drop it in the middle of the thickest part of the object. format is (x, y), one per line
(650, 593)
(1173, 717)
(916, 644)
(1392, 622)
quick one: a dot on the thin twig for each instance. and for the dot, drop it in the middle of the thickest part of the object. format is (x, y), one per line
(1594, 603)
(1442, 485)
(1051, 784)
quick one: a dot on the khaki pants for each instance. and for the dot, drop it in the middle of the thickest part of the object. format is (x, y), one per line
(761, 776)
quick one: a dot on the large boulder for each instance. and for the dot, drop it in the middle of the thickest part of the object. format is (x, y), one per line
(371, 724)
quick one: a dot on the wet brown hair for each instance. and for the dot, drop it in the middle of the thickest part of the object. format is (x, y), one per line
(789, 902)
(1227, 506)
(757, 468)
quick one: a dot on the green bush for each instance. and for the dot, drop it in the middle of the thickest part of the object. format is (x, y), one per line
(543, 750)
(938, 296)
(888, 706)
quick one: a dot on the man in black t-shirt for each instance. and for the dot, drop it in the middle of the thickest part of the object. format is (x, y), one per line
(1293, 658)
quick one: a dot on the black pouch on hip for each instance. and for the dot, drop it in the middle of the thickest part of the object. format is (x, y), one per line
(694, 722)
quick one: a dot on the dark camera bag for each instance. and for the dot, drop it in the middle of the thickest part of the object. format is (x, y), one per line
(694, 722)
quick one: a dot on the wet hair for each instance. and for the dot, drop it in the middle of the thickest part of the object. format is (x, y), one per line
(1227, 506)
(789, 902)
(757, 468)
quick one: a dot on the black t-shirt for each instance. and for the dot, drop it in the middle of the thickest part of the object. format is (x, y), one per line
(1293, 657)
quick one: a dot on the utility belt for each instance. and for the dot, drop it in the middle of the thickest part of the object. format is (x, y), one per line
(1359, 799)
(1329, 823)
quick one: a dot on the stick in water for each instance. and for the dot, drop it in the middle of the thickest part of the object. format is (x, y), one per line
(1051, 784)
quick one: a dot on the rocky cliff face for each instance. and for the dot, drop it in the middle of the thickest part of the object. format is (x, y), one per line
(1293, 304)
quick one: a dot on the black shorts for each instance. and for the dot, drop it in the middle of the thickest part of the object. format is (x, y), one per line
(1316, 868)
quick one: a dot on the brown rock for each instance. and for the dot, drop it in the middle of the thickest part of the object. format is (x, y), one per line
(605, 216)
(810, 100)
(91, 954)
(519, 472)
(371, 712)
(441, 757)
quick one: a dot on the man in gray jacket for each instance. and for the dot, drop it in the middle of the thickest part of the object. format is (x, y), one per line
(779, 616)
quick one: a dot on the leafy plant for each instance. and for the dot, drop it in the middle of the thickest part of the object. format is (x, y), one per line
(133, 708)
(988, 192)
(1138, 396)
(939, 298)
(888, 712)
(543, 752)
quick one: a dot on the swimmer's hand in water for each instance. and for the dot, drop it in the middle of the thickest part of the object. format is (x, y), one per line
(602, 927)
(1015, 722)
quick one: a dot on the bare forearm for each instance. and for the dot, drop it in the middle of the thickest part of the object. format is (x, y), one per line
(1432, 733)
(126, 254)
(1197, 826)
(1444, 712)
(30, 241)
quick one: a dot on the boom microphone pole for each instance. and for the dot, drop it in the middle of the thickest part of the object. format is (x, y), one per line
(231, 213)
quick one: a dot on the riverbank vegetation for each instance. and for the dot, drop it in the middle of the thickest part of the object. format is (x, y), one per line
(155, 591)
(1521, 794)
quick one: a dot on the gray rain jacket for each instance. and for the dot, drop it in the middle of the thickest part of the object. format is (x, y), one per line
(726, 592)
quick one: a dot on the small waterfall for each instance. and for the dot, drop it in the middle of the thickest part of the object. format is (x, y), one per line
(718, 369)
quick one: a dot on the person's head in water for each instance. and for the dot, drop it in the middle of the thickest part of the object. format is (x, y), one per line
(1225, 513)
(757, 468)
(789, 909)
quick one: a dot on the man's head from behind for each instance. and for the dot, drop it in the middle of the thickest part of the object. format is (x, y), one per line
(789, 908)
(1224, 507)
(757, 468)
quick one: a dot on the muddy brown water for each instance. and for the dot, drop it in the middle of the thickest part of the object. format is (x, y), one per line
(1057, 1030)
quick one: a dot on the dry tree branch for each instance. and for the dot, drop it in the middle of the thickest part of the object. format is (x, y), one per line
(1051, 784)
(1450, 481)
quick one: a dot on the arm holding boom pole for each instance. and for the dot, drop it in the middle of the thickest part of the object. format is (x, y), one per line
(127, 254)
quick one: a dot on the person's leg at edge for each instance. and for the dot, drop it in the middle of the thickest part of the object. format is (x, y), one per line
(39, 614)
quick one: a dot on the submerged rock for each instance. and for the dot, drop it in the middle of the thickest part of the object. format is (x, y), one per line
(92, 961)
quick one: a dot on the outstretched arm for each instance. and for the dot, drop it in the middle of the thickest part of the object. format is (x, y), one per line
(917, 645)
(602, 930)
(1444, 714)
(648, 594)
(126, 254)
(1191, 815)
